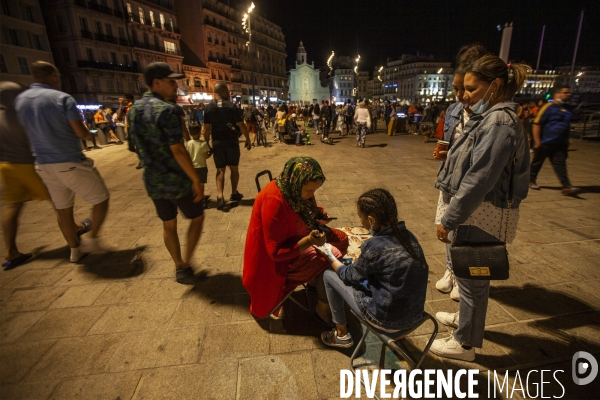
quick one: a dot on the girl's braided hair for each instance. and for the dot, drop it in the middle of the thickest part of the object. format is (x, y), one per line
(380, 203)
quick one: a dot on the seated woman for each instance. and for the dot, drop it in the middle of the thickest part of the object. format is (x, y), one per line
(279, 254)
(386, 286)
(291, 129)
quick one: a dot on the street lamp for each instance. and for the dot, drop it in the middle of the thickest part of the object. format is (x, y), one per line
(355, 89)
(246, 24)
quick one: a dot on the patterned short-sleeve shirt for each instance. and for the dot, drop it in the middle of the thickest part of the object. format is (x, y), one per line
(155, 125)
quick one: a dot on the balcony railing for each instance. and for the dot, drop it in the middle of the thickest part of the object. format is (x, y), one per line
(107, 66)
(87, 34)
(134, 18)
(106, 38)
(92, 5)
(164, 4)
(220, 60)
(154, 47)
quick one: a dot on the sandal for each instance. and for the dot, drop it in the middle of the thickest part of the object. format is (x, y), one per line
(22, 259)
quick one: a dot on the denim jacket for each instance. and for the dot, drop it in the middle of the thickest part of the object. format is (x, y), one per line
(390, 285)
(478, 165)
(452, 119)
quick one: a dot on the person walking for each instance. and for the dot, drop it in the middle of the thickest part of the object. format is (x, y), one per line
(223, 121)
(375, 116)
(551, 128)
(54, 127)
(156, 125)
(362, 119)
(20, 183)
(326, 118)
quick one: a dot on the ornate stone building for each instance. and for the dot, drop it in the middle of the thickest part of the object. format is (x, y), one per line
(304, 83)
(23, 39)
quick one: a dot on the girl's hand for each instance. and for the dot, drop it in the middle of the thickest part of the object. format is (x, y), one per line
(442, 233)
(326, 251)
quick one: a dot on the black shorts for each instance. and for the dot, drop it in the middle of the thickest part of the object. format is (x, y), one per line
(226, 154)
(167, 209)
(202, 174)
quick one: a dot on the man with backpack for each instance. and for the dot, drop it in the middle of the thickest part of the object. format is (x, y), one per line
(349, 114)
(251, 120)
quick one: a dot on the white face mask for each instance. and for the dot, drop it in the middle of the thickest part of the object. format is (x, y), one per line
(480, 107)
(559, 101)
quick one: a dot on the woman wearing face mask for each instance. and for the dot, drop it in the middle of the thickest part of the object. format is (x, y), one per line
(477, 175)
(387, 284)
(454, 121)
(285, 224)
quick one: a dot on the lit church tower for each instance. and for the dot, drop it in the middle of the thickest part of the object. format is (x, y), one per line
(301, 54)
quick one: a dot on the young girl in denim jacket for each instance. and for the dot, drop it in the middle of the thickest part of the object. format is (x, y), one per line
(387, 284)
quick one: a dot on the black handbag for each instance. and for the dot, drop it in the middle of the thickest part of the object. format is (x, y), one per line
(486, 258)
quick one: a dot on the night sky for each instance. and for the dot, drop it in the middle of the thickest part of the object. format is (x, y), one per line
(383, 29)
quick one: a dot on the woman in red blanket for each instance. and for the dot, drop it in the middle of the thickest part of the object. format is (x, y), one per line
(285, 224)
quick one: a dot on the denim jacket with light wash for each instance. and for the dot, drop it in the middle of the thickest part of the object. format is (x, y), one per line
(390, 284)
(479, 162)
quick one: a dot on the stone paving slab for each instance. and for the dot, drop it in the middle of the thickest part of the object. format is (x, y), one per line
(119, 326)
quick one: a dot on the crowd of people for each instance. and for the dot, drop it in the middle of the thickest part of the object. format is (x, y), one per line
(288, 240)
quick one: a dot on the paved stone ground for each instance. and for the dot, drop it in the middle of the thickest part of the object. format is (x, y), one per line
(118, 327)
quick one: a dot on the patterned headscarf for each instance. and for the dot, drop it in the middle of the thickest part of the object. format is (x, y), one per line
(297, 172)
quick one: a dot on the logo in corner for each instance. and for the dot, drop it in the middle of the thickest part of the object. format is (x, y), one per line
(584, 368)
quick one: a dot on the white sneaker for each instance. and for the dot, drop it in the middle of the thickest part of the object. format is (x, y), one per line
(450, 348)
(448, 319)
(444, 285)
(76, 254)
(454, 294)
(95, 245)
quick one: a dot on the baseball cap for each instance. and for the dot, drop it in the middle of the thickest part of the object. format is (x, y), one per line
(159, 70)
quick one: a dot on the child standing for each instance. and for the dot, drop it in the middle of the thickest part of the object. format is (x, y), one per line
(199, 153)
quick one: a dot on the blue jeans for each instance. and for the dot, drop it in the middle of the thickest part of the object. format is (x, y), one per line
(474, 296)
(299, 135)
(338, 293)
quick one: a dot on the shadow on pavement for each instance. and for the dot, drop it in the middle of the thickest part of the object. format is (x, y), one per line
(114, 265)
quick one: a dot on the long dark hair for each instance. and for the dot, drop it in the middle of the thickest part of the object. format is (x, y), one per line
(317, 109)
(380, 204)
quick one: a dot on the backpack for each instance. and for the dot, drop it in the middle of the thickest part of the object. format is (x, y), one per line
(248, 114)
(350, 111)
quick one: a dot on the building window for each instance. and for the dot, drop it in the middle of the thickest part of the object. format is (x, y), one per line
(66, 55)
(13, 37)
(125, 59)
(98, 27)
(131, 84)
(23, 65)
(197, 82)
(109, 31)
(60, 26)
(119, 85)
(152, 18)
(3, 68)
(36, 41)
(113, 58)
(72, 83)
(109, 84)
(121, 33)
(95, 84)
(83, 23)
(104, 57)
(170, 47)
(5, 8)
(90, 55)
(141, 14)
(28, 13)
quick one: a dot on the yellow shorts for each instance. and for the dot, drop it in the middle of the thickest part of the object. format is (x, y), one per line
(20, 183)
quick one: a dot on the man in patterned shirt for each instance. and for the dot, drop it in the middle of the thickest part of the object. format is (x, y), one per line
(169, 175)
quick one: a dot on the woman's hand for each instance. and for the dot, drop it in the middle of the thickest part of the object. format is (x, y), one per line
(442, 233)
(316, 238)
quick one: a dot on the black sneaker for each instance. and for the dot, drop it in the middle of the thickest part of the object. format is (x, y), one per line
(221, 205)
(185, 276)
(236, 197)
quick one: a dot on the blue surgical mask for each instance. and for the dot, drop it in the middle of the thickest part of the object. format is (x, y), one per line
(480, 107)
